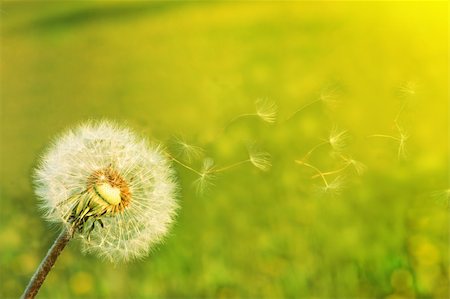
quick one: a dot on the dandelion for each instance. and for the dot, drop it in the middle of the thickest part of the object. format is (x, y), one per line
(109, 188)
(100, 171)
(266, 110)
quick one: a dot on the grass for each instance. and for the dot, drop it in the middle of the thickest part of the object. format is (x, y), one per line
(187, 69)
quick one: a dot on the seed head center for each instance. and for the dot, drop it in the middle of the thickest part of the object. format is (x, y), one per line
(109, 193)
(110, 190)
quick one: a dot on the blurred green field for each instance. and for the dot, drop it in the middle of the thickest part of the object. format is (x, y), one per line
(187, 68)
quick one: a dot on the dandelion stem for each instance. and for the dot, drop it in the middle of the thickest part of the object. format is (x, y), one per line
(385, 136)
(230, 166)
(302, 108)
(316, 169)
(184, 165)
(305, 157)
(236, 118)
(397, 117)
(331, 172)
(46, 265)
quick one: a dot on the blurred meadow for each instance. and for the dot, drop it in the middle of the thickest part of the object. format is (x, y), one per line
(372, 74)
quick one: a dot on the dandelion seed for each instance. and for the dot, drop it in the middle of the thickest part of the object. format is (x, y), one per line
(258, 158)
(409, 88)
(203, 183)
(206, 176)
(311, 151)
(334, 187)
(328, 96)
(266, 110)
(359, 167)
(338, 139)
(188, 151)
(110, 187)
(208, 165)
(442, 197)
(403, 137)
(319, 173)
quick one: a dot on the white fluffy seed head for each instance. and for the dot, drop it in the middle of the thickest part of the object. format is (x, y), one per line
(101, 174)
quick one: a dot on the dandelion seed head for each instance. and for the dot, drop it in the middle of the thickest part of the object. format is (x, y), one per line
(259, 159)
(266, 110)
(101, 171)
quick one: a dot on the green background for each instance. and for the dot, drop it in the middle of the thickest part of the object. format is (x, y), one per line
(187, 68)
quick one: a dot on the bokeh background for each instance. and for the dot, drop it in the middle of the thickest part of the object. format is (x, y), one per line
(186, 69)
